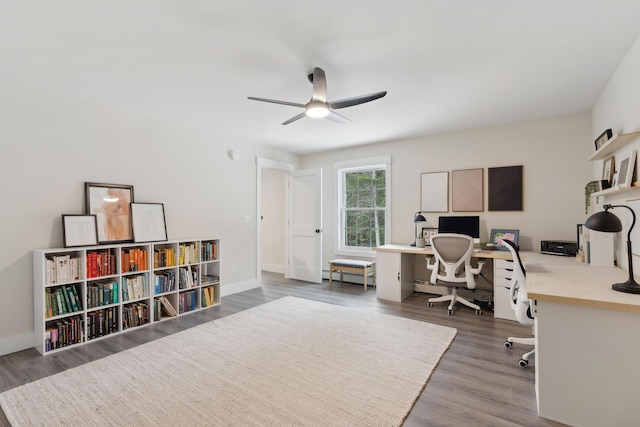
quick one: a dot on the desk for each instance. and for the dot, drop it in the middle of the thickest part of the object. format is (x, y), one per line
(395, 264)
(587, 346)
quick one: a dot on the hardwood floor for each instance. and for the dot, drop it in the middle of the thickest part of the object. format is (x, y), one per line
(477, 382)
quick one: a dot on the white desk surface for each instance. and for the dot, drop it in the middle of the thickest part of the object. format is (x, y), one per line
(565, 280)
(408, 249)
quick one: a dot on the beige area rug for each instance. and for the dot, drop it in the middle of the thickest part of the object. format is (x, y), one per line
(290, 362)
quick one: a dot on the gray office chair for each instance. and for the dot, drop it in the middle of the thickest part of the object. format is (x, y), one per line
(452, 267)
(520, 303)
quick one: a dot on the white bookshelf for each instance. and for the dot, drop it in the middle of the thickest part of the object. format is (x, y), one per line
(110, 289)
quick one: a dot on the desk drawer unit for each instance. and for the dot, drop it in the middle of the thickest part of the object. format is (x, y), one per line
(502, 272)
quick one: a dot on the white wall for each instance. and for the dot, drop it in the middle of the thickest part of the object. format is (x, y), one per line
(618, 109)
(553, 152)
(52, 144)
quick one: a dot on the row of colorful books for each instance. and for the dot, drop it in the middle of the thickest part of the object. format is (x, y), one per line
(164, 257)
(136, 314)
(104, 293)
(62, 300)
(135, 287)
(189, 254)
(187, 301)
(102, 322)
(164, 282)
(101, 263)
(62, 269)
(134, 259)
(209, 251)
(188, 277)
(63, 332)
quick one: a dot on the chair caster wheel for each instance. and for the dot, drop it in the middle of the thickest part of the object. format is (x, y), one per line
(523, 363)
(478, 312)
(450, 312)
(508, 344)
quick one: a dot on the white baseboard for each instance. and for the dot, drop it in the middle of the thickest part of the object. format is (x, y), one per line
(16, 343)
(273, 268)
(234, 288)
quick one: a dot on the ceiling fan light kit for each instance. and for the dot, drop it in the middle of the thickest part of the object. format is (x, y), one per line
(318, 106)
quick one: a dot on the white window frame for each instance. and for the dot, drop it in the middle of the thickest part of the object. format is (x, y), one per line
(382, 162)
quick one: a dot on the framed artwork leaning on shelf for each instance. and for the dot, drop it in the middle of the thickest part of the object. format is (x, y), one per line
(79, 230)
(608, 167)
(498, 234)
(110, 203)
(627, 167)
(148, 222)
(602, 139)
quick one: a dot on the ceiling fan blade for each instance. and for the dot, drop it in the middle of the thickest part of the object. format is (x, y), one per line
(350, 102)
(294, 118)
(275, 101)
(319, 81)
(335, 117)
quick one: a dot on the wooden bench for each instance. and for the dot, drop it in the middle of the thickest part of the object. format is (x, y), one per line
(365, 268)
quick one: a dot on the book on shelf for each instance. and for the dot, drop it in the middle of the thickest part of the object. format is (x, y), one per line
(207, 296)
(167, 307)
(209, 279)
(209, 251)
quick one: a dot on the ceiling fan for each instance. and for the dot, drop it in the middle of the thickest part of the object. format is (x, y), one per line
(318, 106)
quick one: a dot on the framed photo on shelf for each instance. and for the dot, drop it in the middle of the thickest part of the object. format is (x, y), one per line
(608, 167)
(427, 232)
(627, 166)
(602, 139)
(111, 205)
(79, 230)
(499, 234)
(148, 222)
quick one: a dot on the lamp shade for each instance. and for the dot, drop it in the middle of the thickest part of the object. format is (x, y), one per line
(604, 221)
(419, 218)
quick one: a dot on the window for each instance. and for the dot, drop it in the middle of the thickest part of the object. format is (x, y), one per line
(363, 205)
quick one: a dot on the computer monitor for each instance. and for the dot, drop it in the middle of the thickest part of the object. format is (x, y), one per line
(469, 225)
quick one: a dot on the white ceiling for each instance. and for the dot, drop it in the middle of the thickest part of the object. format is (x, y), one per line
(447, 64)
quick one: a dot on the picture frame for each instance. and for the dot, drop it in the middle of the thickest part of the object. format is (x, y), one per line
(111, 205)
(505, 186)
(467, 190)
(79, 230)
(434, 192)
(497, 234)
(627, 167)
(427, 233)
(608, 168)
(148, 222)
(602, 139)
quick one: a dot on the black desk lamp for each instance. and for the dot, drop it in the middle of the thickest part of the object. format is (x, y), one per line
(416, 219)
(609, 223)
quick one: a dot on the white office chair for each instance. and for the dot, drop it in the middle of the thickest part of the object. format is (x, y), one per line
(452, 266)
(520, 303)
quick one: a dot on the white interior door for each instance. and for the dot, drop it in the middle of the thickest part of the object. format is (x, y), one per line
(305, 225)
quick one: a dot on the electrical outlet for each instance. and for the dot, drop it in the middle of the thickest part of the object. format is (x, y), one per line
(247, 219)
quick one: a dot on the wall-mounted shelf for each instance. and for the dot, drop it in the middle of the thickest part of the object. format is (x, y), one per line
(615, 190)
(616, 142)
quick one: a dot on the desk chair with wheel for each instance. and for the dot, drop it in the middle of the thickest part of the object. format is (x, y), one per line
(520, 302)
(452, 268)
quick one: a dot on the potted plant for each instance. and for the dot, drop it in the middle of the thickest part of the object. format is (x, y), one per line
(591, 187)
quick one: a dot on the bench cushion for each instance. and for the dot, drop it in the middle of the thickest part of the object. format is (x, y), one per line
(353, 263)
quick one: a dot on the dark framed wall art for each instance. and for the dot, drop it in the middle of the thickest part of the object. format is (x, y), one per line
(505, 188)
